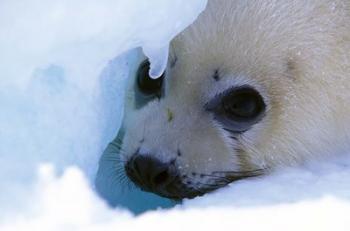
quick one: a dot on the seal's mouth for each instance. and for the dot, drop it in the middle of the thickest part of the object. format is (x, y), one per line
(182, 187)
(178, 188)
(167, 180)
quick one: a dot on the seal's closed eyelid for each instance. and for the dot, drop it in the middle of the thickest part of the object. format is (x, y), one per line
(147, 89)
(146, 84)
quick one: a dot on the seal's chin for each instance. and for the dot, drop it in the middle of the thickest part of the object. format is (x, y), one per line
(181, 188)
(189, 187)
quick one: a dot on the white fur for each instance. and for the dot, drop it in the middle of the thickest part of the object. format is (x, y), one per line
(295, 53)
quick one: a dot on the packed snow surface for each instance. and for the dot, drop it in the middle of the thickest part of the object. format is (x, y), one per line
(61, 97)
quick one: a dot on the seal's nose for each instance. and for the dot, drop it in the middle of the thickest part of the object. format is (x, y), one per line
(149, 173)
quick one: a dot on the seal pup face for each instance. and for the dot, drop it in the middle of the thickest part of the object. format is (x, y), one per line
(241, 95)
(186, 149)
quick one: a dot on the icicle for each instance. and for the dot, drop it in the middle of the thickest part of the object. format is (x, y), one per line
(158, 57)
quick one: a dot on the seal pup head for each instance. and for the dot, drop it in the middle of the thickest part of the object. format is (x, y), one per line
(247, 89)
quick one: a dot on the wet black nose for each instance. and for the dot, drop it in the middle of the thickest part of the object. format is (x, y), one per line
(150, 173)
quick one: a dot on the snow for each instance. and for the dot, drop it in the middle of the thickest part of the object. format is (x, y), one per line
(157, 64)
(61, 97)
(296, 199)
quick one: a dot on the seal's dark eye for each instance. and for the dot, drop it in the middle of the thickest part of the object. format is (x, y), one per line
(238, 108)
(243, 104)
(145, 83)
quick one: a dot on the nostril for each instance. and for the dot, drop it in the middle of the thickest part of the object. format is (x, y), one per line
(161, 178)
(148, 172)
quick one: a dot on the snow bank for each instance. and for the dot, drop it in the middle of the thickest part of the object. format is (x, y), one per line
(61, 95)
(315, 197)
(61, 90)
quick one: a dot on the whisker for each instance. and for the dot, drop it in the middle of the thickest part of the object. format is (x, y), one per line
(215, 185)
(113, 159)
(196, 189)
(213, 176)
(219, 179)
(255, 172)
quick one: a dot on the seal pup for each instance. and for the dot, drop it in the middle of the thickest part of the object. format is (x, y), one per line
(250, 86)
